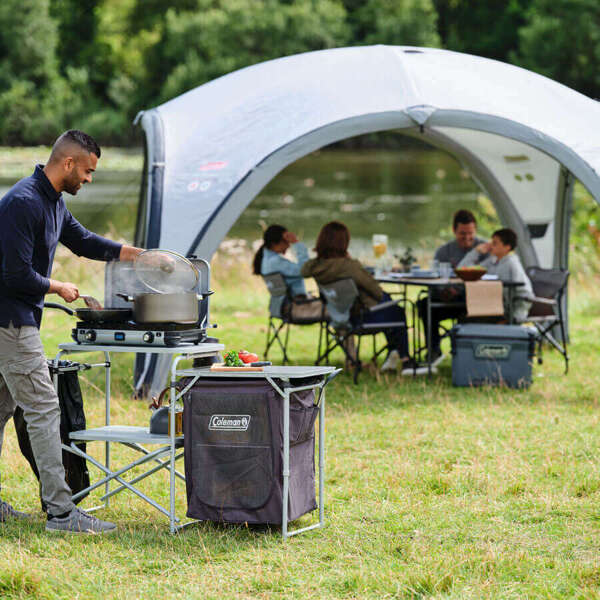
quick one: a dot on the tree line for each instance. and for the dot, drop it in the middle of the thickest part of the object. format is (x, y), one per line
(92, 64)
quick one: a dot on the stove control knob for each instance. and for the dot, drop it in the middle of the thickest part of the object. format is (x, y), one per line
(148, 337)
(90, 336)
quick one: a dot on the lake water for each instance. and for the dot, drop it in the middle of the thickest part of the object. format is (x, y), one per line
(409, 194)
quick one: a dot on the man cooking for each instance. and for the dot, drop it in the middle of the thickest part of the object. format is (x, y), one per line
(465, 239)
(33, 219)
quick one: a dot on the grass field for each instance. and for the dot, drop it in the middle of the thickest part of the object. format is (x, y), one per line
(432, 491)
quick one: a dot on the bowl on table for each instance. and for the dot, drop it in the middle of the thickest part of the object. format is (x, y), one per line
(470, 273)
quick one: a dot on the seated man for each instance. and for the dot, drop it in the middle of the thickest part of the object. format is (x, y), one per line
(464, 227)
(504, 263)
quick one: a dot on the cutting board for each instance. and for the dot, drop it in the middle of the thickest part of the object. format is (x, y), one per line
(222, 367)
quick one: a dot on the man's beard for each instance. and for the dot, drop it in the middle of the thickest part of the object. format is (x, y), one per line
(71, 185)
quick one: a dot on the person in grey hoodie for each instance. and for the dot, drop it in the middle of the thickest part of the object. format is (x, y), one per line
(504, 263)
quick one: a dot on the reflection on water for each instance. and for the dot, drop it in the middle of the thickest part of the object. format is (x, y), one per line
(408, 194)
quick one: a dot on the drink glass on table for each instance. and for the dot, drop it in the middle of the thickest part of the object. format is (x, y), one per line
(445, 270)
(380, 244)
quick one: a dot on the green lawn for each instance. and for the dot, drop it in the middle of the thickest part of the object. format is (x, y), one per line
(432, 492)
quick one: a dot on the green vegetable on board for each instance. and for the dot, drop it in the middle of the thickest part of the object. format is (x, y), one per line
(233, 360)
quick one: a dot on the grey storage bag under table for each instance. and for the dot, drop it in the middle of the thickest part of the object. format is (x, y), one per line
(234, 451)
(485, 354)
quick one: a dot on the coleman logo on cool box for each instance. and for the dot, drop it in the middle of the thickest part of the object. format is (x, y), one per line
(229, 422)
(494, 351)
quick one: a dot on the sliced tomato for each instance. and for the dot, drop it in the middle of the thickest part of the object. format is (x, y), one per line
(247, 357)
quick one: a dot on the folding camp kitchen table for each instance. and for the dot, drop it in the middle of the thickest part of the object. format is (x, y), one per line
(136, 438)
(280, 379)
(437, 282)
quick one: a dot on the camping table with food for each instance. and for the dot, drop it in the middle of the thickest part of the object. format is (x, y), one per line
(166, 315)
(431, 281)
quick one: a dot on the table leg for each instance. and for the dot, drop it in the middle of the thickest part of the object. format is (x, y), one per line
(172, 442)
(322, 459)
(107, 418)
(286, 463)
(55, 375)
(429, 330)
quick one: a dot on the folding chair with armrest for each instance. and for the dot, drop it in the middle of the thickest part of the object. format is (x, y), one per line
(546, 312)
(281, 315)
(339, 297)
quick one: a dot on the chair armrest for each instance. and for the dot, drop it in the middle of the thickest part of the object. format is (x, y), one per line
(547, 301)
(383, 305)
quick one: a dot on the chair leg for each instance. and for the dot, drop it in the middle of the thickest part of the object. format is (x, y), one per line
(270, 340)
(273, 335)
(320, 341)
(285, 344)
(563, 336)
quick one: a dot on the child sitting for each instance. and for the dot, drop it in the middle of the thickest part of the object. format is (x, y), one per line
(504, 263)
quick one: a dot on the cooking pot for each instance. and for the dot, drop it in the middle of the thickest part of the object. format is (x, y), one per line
(165, 308)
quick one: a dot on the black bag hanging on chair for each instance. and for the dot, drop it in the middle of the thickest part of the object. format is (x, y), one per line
(72, 418)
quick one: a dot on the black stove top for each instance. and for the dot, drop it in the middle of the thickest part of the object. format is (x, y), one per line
(136, 334)
(134, 326)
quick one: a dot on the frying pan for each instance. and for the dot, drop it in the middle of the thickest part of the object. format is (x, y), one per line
(93, 315)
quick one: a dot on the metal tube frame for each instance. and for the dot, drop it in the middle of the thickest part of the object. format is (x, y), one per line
(285, 394)
(148, 455)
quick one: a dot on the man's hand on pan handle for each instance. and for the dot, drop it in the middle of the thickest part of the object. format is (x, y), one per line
(129, 252)
(66, 290)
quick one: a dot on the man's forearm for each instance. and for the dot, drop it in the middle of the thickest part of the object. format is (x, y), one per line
(129, 252)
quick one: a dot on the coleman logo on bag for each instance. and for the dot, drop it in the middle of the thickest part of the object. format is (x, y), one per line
(495, 351)
(229, 422)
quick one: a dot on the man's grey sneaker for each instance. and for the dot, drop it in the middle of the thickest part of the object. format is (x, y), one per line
(78, 521)
(8, 512)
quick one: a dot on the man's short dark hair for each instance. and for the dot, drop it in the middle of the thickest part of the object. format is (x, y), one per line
(463, 217)
(82, 139)
(507, 236)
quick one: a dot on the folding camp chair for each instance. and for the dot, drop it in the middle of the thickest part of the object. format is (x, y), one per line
(340, 297)
(546, 312)
(281, 315)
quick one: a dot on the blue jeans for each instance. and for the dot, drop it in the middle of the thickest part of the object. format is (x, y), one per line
(397, 337)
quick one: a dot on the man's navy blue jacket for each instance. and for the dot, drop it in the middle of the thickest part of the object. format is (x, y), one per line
(33, 219)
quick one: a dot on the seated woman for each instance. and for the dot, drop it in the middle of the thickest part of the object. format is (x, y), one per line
(333, 263)
(504, 263)
(270, 258)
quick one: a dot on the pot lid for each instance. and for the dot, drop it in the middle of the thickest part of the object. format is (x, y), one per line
(166, 272)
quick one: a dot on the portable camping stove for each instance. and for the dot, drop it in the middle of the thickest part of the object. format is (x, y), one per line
(130, 333)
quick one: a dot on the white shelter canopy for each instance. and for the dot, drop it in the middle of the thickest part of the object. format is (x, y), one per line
(522, 136)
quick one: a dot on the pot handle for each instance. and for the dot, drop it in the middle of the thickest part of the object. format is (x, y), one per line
(125, 297)
(68, 310)
(157, 402)
(206, 294)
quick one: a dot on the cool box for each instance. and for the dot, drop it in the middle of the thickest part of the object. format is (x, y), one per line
(234, 451)
(492, 354)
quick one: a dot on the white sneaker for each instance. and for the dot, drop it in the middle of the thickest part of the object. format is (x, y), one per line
(391, 362)
(411, 367)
